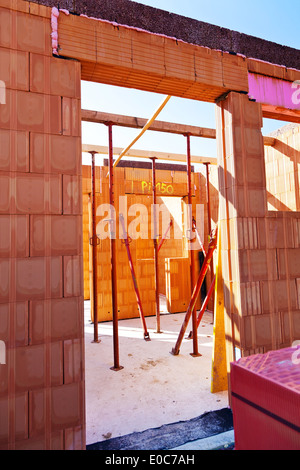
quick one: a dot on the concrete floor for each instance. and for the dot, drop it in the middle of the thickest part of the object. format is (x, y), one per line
(155, 387)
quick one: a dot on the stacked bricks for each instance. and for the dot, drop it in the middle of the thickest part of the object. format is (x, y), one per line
(41, 293)
(283, 170)
(260, 249)
(134, 184)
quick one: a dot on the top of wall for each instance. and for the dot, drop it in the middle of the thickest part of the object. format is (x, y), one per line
(134, 14)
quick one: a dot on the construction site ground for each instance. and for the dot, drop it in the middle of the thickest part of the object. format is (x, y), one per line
(157, 400)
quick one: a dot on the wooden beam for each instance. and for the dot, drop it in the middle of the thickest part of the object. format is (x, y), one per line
(281, 114)
(139, 123)
(173, 157)
(158, 126)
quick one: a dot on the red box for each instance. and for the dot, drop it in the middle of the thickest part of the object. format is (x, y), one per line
(265, 391)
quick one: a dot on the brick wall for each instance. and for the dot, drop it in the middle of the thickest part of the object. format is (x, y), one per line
(41, 293)
(260, 249)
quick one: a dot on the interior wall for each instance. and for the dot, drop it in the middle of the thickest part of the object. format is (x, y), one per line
(135, 185)
(41, 301)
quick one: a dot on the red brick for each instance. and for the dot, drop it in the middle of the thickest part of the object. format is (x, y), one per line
(72, 194)
(34, 112)
(74, 438)
(288, 262)
(54, 76)
(14, 324)
(14, 69)
(30, 368)
(55, 235)
(73, 365)
(66, 406)
(38, 278)
(55, 154)
(71, 111)
(14, 236)
(62, 315)
(73, 276)
(16, 417)
(33, 34)
(38, 194)
(14, 150)
(278, 296)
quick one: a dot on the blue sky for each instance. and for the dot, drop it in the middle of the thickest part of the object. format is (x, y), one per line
(272, 20)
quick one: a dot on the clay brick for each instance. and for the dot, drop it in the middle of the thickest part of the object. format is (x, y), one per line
(36, 194)
(71, 112)
(73, 276)
(34, 112)
(288, 262)
(74, 438)
(258, 265)
(63, 317)
(30, 368)
(38, 278)
(33, 34)
(14, 236)
(14, 151)
(54, 76)
(18, 418)
(14, 69)
(72, 194)
(14, 324)
(66, 406)
(298, 291)
(278, 296)
(55, 154)
(73, 365)
(290, 326)
(55, 235)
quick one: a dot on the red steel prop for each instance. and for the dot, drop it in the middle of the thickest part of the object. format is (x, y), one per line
(164, 236)
(135, 285)
(192, 260)
(198, 237)
(155, 236)
(94, 242)
(204, 305)
(116, 366)
(211, 248)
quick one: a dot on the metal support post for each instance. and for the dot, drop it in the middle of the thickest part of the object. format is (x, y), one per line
(94, 242)
(134, 280)
(195, 352)
(211, 248)
(204, 305)
(164, 236)
(116, 366)
(155, 244)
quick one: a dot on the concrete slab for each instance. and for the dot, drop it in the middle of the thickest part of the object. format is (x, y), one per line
(154, 388)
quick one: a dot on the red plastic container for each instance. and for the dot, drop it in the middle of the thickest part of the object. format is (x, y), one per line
(265, 403)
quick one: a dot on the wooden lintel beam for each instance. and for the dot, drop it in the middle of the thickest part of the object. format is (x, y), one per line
(172, 157)
(139, 123)
(158, 126)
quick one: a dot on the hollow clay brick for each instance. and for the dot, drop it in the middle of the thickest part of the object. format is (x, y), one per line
(54, 76)
(38, 278)
(14, 150)
(19, 416)
(14, 69)
(55, 235)
(71, 116)
(31, 112)
(14, 236)
(37, 194)
(72, 361)
(72, 195)
(62, 316)
(33, 33)
(14, 324)
(66, 406)
(55, 154)
(73, 276)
